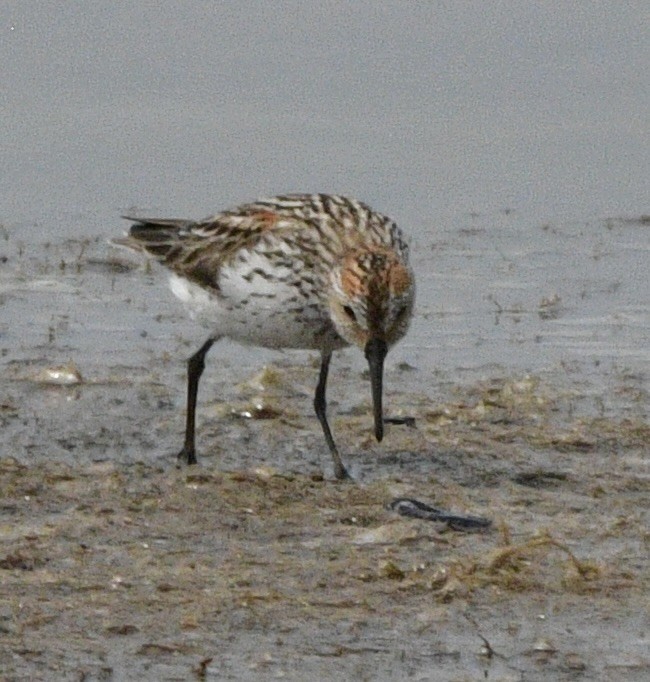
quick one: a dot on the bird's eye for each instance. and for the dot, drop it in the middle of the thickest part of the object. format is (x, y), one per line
(350, 313)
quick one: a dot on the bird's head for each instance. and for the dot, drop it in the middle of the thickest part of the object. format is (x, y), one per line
(371, 301)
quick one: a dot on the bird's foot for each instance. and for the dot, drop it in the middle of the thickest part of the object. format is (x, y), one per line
(341, 473)
(186, 456)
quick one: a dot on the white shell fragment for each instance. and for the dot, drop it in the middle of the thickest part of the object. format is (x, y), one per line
(66, 375)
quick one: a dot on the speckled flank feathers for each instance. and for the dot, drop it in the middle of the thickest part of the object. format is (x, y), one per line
(310, 271)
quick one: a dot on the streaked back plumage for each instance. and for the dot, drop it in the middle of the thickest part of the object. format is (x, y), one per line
(340, 222)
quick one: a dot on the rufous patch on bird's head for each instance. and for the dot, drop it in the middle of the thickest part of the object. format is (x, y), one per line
(372, 296)
(400, 279)
(376, 268)
(354, 281)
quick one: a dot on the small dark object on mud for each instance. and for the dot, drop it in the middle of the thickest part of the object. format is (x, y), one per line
(419, 510)
(540, 479)
(407, 421)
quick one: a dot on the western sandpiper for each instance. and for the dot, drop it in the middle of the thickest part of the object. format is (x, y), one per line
(311, 271)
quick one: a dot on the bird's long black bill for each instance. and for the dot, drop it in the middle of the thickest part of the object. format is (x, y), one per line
(376, 350)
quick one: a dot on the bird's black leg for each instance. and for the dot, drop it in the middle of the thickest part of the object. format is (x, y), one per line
(195, 367)
(320, 406)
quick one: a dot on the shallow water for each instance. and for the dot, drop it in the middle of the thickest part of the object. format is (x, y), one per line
(510, 143)
(533, 415)
(487, 306)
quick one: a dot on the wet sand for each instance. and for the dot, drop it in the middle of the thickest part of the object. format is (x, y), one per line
(115, 564)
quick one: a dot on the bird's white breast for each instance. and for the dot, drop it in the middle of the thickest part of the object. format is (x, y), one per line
(258, 302)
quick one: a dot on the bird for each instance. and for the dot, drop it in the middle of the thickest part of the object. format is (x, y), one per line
(302, 271)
